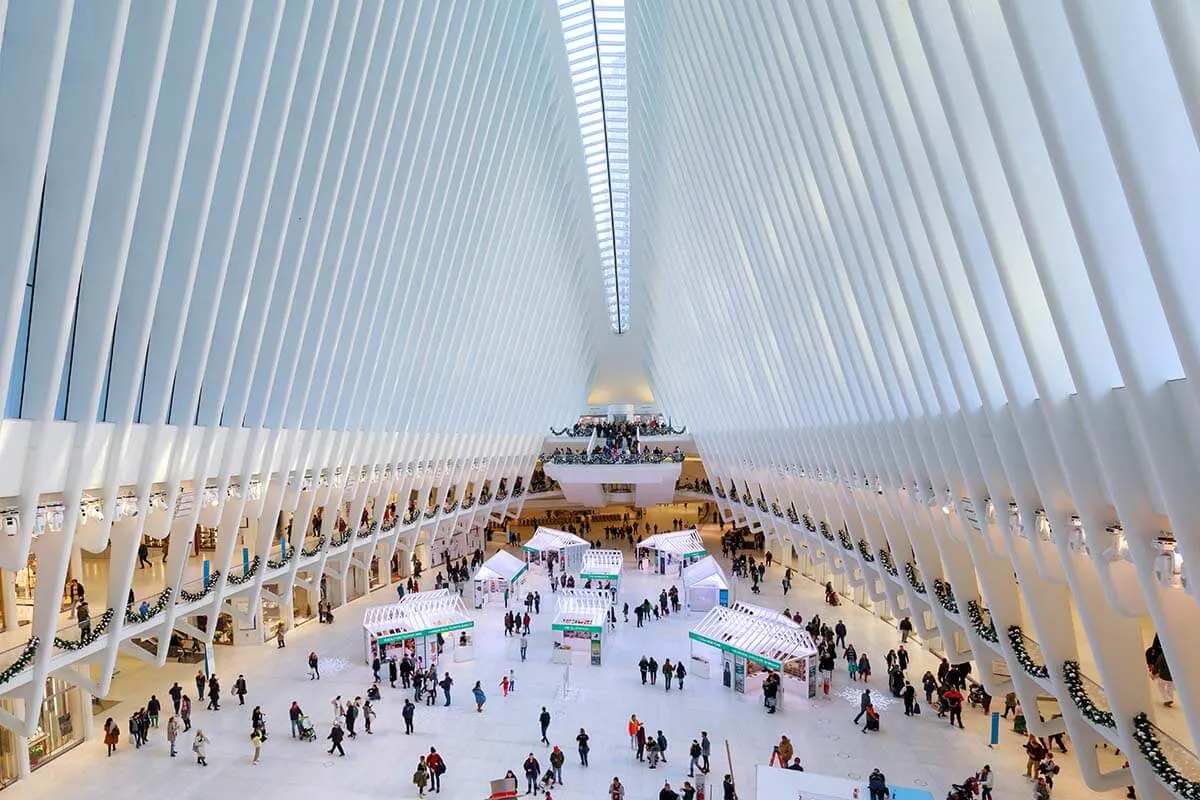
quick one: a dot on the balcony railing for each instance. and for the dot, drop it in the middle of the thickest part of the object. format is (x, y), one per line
(611, 459)
(1175, 765)
(1088, 696)
(1028, 652)
(16, 660)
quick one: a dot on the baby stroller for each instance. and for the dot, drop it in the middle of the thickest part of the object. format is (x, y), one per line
(965, 790)
(975, 695)
(308, 733)
(548, 781)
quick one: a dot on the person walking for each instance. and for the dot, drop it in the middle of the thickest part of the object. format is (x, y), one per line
(239, 689)
(839, 632)
(407, 713)
(909, 693)
(694, 753)
(185, 712)
(420, 777)
(504, 686)
(294, 715)
(153, 707)
(668, 671)
(616, 791)
(214, 694)
(280, 641)
(864, 700)
(641, 742)
(544, 722)
(336, 734)
(351, 717)
(705, 750)
(112, 735)
(256, 741)
(582, 742)
(524, 643)
(175, 692)
(680, 674)
(446, 683)
(785, 751)
(986, 782)
(480, 697)
(392, 672)
(201, 684)
(653, 671)
(644, 668)
(172, 732)
(314, 667)
(200, 748)
(633, 726)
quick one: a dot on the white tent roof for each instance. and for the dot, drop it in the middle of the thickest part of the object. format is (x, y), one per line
(551, 539)
(503, 566)
(419, 613)
(761, 612)
(581, 607)
(602, 564)
(758, 638)
(705, 572)
(676, 543)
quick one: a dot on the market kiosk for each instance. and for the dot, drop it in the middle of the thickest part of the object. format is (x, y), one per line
(705, 585)
(666, 553)
(548, 544)
(499, 576)
(579, 624)
(412, 626)
(603, 569)
(773, 783)
(751, 643)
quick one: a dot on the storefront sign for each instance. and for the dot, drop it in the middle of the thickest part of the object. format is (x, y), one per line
(739, 674)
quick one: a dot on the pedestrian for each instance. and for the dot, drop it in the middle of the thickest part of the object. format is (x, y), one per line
(446, 683)
(480, 697)
(172, 732)
(420, 777)
(239, 689)
(153, 707)
(214, 694)
(641, 742)
(175, 692)
(839, 632)
(544, 722)
(909, 693)
(680, 674)
(986, 782)
(294, 715)
(532, 770)
(368, 714)
(661, 741)
(200, 748)
(392, 672)
(279, 637)
(653, 671)
(112, 735)
(351, 717)
(336, 735)
(512, 681)
(407, 713)
(185, 712)
(864, 701)
(668, 671)
(437, 767)
(201, 684)
(906, 629)
(728, 789)
(633, 729)
(557, 759)
(314, 667)
(256, 741)
(644, 668)
(705, 750)
(524, 643)
(582, 741)
(616, 791)
(694, 753)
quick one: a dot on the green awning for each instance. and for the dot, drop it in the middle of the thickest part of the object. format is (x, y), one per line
(569, 627)
(726, 648)
(427, 633)
(600, 576)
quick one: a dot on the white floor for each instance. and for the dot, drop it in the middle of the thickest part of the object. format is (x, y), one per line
(922, 752)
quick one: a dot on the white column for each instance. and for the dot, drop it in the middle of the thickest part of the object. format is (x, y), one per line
(8, 599)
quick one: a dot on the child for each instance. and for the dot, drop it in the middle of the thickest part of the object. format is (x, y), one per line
(504, 685)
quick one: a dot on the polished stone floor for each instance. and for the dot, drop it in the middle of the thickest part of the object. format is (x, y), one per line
(921, 752)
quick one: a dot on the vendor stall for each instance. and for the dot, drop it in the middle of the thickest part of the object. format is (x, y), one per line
(579, 624)
(753, 642)
(705, 585)
(602, 570)
(555, 550)
(413, 626)
(499, 576)
(667, 553)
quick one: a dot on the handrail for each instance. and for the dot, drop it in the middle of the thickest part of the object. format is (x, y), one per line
(1175, 765)
(1088, 696)
(16, 660)
(1024, 648)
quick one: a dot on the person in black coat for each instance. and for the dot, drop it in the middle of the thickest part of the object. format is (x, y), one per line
(335, 736)
(392, 671)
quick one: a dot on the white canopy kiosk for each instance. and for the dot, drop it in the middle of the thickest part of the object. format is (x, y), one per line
(773, 783)
(548, 544)
(502, 574)
(674, 549)
(603, 569)
(413, 624)
(579, 623)
(753, 640)
(705, 585)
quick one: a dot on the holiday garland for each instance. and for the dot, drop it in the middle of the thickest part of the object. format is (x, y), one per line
(1073, 680)
(314, 550)
(864, 550)
(975, 617)
(885, 558)
(826, 533)
(340, 539)
(501, 495)
(945, 595)
(388, 524)
(450, 509)
(431, 513)
(844, 538)
(411, 516)
(209, 585)
(776, 510)
(23, 662)
(485, 496)
(238, 580)
(808, 524)
(280, 563)
(720, 491)
(793, 517)
(159, 606)
(1151, 749)
(368, 531)
(90, 638)
(1016, 638)
(762, 506)
(467, 502)
(910, 572)
(517, 491)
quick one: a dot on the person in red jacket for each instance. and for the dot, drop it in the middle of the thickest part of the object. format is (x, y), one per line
(437, 766)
